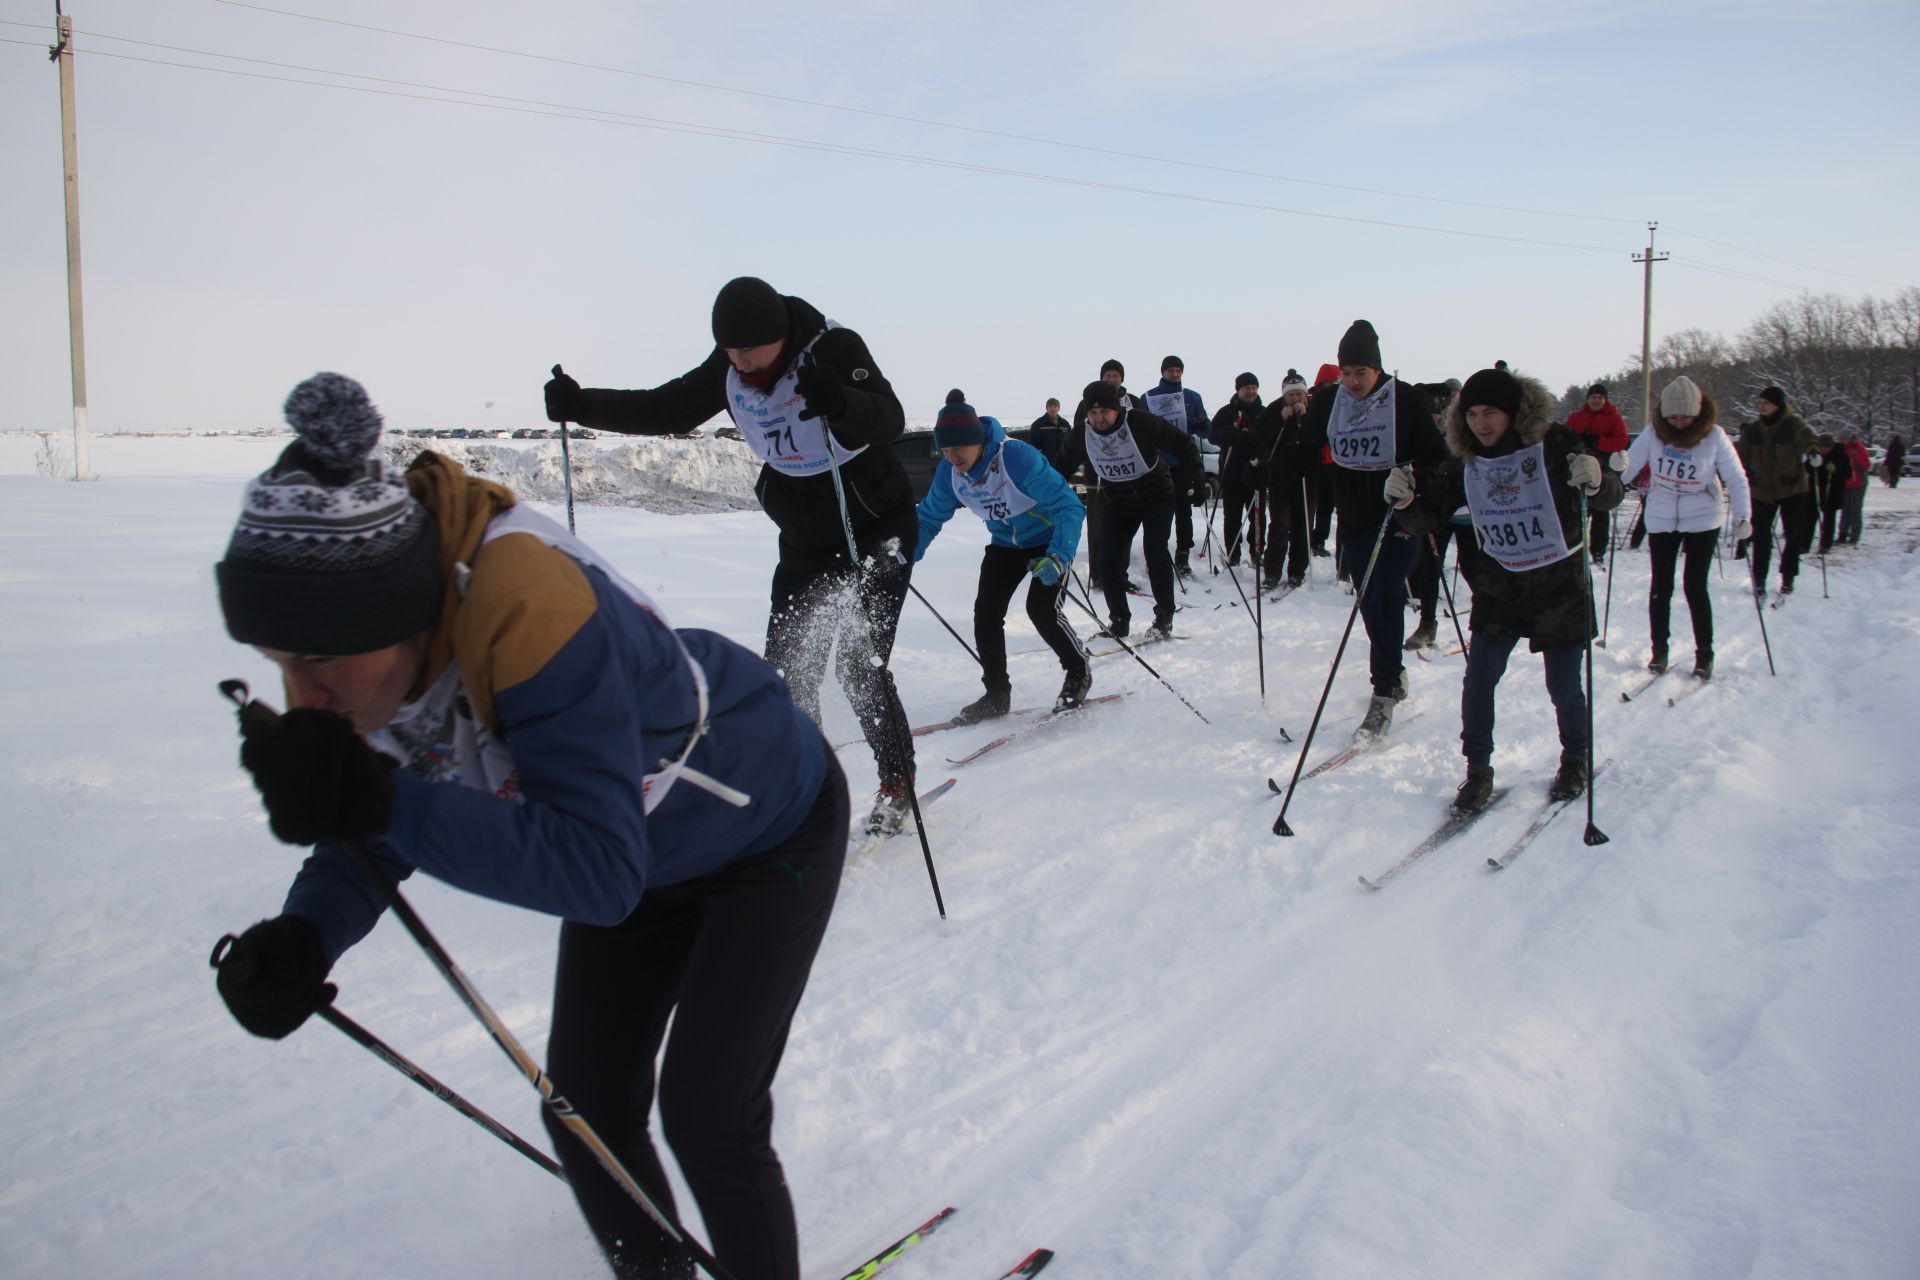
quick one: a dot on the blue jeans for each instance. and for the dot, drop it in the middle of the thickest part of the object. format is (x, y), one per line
(1486, 663)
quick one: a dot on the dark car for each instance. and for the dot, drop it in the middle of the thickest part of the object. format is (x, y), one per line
(917, 454)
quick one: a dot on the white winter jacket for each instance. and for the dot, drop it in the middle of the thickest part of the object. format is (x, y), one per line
(1683, 492)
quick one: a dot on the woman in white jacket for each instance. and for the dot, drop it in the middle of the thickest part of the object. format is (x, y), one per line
(1688, 459)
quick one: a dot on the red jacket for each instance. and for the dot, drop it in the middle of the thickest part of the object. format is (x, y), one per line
(1607, 427)
(1862, 464)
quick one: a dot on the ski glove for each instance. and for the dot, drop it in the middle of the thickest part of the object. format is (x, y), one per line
(1583, 473)
(273, 975)
(819, 385)
(565, 400)
(1399, 490)
(319, 781)
(1198, 495)
(1742, 530)
(1048, 569)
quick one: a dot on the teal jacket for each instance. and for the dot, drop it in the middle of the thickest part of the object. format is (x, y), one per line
(1052, 523)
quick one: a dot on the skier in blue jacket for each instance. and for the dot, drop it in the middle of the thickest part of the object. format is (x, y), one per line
(1034, 519)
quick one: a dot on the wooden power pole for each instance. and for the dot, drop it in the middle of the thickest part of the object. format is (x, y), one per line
(1646, 327)
(62, 53)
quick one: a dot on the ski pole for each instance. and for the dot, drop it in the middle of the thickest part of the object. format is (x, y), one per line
(1758, 610)
(253, 712)
(1280, 827)
(903, 732)
(1613, 559)
(566, 463)
(1820, 530)
(1142, 661)
(1594, 834)
(1440, 572)
(1259, 592)
(943, 622)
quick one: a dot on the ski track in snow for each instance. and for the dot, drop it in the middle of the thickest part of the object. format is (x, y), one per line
(1152, 1035)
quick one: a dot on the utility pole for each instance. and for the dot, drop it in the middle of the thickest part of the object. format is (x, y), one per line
(1646, 326)
(62, 53)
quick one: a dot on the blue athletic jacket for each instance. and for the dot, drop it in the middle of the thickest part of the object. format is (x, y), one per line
(1054, 520)
(566, 693)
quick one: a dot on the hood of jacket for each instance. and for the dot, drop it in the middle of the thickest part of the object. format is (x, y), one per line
(1529, 424)
(462, 505)
(1703, 424)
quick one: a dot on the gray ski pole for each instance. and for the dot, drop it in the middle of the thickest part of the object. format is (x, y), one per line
(566, 463)
(1759, 610)
(943, 622)
(1594, 835)
(1440, 572)
(1134, 654)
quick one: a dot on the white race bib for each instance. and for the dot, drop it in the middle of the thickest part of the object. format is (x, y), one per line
(1676, 468)
(996, 497)
(770, 423)
(1171, 405)
(1511, 499)
(1360, 433)
(1116, 456)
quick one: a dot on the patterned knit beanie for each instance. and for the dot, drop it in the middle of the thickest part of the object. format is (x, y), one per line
(332, 554)
(1292, 382)
(958, 424)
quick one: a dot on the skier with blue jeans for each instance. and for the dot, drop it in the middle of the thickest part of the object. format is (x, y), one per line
(1034, 521)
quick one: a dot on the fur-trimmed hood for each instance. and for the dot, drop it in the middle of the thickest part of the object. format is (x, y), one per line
(1529, 425)
(1703, 424)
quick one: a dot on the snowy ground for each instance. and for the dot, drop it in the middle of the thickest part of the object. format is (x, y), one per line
(1152, 1035)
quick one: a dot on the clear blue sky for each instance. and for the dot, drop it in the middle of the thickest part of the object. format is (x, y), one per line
(241, 233)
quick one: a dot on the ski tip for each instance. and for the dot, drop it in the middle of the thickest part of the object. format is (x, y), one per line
(1494, 864)
(1273, 786)
(1031, 1265)
(1368, 885)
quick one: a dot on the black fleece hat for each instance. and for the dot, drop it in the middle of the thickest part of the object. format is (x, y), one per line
(1173, 362)
(1101, 395)
(1495, 387)
(1360, 345)
(1598, 389)
(1245, 380)
(1775, 397)
(748, 312)
(1114, 366)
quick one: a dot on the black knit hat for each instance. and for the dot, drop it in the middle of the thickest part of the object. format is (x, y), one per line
(1360, 345)
(1113, 366)
(1774, 396)
(957, 424)
(1244, 380)
(747, 312)
(1173, 362)
(332, 554)
(1495, 387)
(1101, 395)
(1598, 389)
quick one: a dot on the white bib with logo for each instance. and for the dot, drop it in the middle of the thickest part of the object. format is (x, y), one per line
(1511, 499)
(1116, 456)
(1171, 405)
(770, 422)
(1675, 467)
(1360, 433)
(996, 497)
(438, 736)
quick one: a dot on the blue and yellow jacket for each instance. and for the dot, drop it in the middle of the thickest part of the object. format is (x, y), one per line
(1053, 522)
(560, 693)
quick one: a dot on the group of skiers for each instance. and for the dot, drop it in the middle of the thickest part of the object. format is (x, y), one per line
(475, 693)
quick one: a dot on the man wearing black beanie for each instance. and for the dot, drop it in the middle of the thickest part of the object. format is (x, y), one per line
(1370, 428)
(794, 382)
(1114, 374)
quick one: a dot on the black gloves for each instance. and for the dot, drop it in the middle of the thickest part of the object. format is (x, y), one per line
(319, 781)
(819, 385)
(273, 975)
(1198, 495)
(565, 400)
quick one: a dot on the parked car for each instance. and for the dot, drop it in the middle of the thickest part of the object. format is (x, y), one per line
(917, 454)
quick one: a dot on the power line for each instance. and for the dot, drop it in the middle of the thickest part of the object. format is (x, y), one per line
(597, 115)
(919, 120)
(1805, 266)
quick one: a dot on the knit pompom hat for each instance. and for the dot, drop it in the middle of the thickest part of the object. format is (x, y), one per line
(1680, 399)
(1494, 387)
(957, 424)
(1292, 382)
(332, 554)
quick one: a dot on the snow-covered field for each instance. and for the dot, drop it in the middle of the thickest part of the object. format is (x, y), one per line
(1151, 1036)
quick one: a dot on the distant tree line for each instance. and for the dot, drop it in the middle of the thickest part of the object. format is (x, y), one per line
(1842, 364)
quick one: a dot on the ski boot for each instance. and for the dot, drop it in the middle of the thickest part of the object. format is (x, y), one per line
(891, 804)
(1423, 635)
(1162, 628)
(1659, 664)
(1570, 779)
(1476, 791)
(1703, 666)
(1378, 720)
(1074, 692)
(1117, 628)
(990, 705)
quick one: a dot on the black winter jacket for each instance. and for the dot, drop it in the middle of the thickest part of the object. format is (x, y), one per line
(1358, 495)
(1232, 430)
(1152, 434)
(880, 501)
(1550, 606)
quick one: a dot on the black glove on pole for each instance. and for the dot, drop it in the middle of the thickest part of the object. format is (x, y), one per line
(273, 976)
(255, 716)
(819, 385)
(321, 784)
